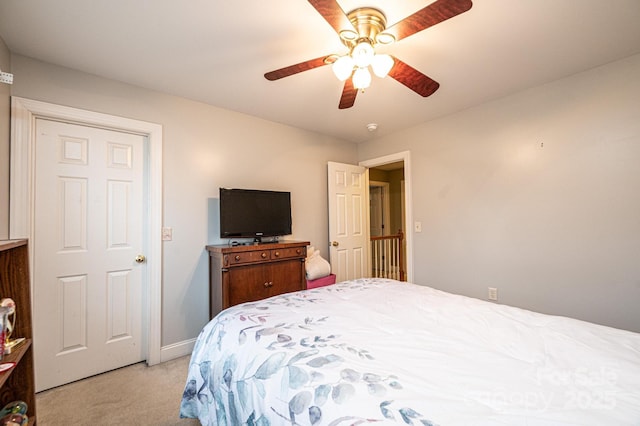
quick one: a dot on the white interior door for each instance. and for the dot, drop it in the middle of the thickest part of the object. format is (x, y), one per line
(88, 232)
(348, 221)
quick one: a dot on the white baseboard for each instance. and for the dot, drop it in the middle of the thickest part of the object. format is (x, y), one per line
(177, 350)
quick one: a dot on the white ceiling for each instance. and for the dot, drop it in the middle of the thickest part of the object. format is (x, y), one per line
(218, 51)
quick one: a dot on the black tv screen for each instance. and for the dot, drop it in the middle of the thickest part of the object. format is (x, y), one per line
(250, 213)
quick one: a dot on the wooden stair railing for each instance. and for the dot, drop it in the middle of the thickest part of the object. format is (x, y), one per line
(387, 260)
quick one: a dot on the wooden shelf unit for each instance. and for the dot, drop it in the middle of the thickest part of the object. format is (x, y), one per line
(19, 382)
(246, 273)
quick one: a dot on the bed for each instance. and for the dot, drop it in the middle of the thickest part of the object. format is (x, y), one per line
(384, 352)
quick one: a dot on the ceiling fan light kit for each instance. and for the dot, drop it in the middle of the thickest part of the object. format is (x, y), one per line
(356, 63)
(361, 30)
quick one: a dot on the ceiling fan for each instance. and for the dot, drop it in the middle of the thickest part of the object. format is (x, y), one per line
(361, 30)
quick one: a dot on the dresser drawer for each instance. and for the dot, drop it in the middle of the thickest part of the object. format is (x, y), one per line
(247, 257)
(287, 253)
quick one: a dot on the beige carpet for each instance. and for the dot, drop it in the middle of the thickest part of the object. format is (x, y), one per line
(134, 395)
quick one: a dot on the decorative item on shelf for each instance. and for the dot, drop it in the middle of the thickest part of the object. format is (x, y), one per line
(14, 420)
(14, 414)
(6, 366)
(4, 313)
(9, 324)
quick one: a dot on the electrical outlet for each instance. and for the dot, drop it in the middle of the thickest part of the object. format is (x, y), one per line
(493, 293)
(417, 226)
(167, 233)
(6, 77)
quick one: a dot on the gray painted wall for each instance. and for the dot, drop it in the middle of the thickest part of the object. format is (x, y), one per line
(204, 148)
(537, 194)
(555, 227)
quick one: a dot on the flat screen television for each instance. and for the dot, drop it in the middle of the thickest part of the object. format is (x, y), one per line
(251, 213)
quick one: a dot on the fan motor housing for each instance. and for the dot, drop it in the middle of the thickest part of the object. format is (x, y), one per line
(368, 22)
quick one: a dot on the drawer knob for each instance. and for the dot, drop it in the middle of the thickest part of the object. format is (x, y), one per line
(263, 255)
(269, 284)
(237, 257)
(298, 251)
(276, 254)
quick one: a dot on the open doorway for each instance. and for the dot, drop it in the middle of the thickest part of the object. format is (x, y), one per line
(387, 221)
(379, 208)
(397, 163)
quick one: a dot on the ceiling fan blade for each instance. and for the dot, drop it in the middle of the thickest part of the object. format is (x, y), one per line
(295, 69)
(413, 79)
(436, 12)
(348, 97)
(333, 13)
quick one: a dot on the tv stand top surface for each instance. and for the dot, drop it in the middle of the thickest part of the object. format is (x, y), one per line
(253, 246)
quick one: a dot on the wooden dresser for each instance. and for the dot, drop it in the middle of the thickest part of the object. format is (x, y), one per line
(246, 273)
(18, 383)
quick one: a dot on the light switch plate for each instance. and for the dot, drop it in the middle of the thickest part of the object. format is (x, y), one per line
(167, 234)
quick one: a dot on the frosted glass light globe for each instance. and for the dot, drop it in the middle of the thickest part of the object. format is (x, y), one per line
(381, 65)
(343, 67)
(361, 78)
(362, 54)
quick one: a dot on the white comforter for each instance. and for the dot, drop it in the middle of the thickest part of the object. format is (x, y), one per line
(381, 351)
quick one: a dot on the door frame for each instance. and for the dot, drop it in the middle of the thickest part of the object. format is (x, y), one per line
(24, 113)
(405, 157)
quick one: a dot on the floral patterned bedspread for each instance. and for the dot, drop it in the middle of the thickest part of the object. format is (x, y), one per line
(384, 352)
